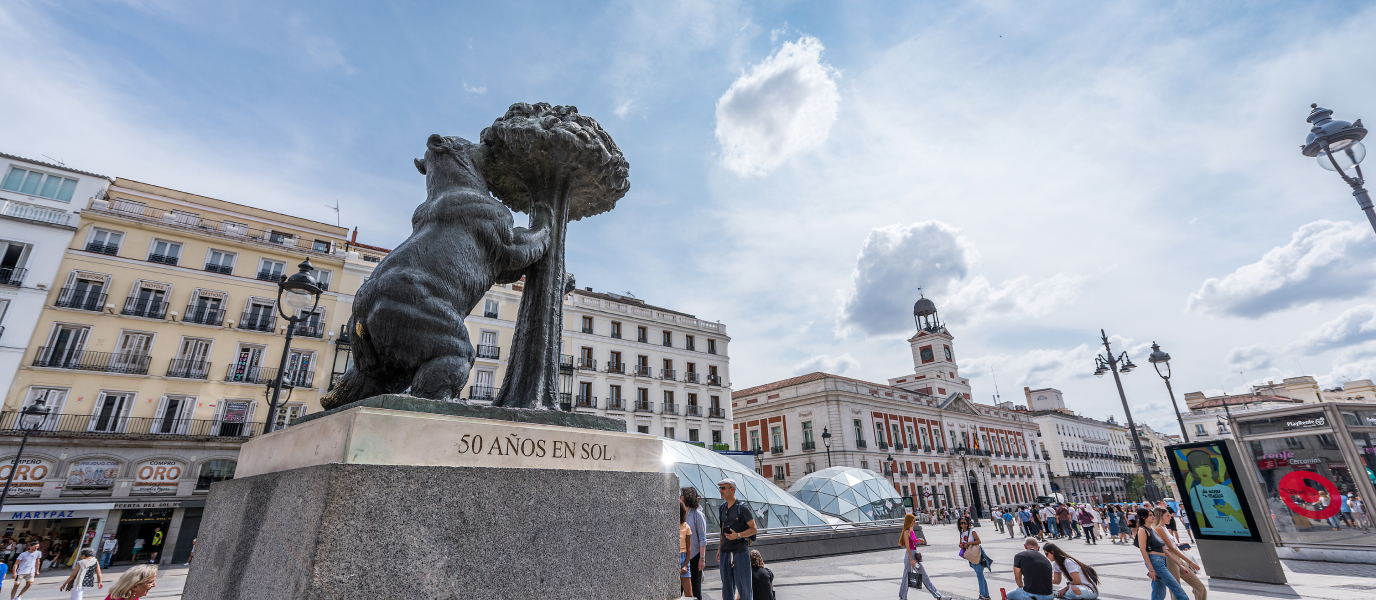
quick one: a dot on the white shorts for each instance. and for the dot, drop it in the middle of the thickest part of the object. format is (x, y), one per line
(24, 577)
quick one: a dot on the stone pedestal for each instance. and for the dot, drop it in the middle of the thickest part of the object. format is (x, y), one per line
(374, 503)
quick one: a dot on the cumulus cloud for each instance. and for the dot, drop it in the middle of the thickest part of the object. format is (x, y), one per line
(827, 364)
(1356, 326)
(779, 108)
(474, 90)
(1036, 368)
(897, 260)
(1324, 260)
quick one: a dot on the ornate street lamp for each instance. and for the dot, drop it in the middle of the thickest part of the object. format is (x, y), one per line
(30, 419)
(970, 483)
(301, 293)
(826, 441)
(1338, 147)
(1107, 363)
(1157, 360)
(759, 460)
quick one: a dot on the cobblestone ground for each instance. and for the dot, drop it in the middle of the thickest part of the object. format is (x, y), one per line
(875, 575)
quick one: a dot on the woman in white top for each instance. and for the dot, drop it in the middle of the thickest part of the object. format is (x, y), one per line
(85, 575)
(969, 545)
(1082, 581)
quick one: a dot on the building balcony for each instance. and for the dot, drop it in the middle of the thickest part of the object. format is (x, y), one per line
(489, 314)
(203, 316)
(308, 329)
(859, 443)
(270, 276)
(670, 408)
(226, 229)
(565, 401)
(776, 449)
(714, 380)
(667, 374)
(108, 249)
(586, 363)
(809, 446)
(616, 404)
(264, 322)
(585, 401)
(716, 413)
(482, 392)
(643, 371)
(693, 410)
(143, 307)
(489, 352)
(188, 369)
(690, 377)
(914, 449)
(12, 276)
(778, 474)
(40, 214)
(107, 362)
(163, 259)
(217, 268)
(566, 362)
(616, 335)
(81, 299)
(142, 428)
(250, 375)
(645, 407)
(587, 330)
(616, 367)
(883, 445)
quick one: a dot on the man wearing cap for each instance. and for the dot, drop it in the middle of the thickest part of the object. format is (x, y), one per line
(733, 553)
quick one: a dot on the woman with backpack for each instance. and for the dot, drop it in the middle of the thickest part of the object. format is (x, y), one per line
(912, 560)
(1082, 581)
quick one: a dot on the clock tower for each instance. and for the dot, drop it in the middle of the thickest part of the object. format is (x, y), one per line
(935, 371)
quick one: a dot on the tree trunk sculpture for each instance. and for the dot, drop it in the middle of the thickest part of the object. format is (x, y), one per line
(555, 165)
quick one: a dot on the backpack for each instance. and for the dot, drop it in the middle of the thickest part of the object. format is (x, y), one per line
(732, 515)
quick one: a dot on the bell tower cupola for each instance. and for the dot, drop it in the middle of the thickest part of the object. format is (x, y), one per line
(935, 371)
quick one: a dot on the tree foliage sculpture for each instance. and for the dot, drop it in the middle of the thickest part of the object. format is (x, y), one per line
(557, 166)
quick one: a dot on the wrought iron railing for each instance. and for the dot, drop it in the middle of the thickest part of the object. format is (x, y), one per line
(667, 374)
(693, 410)
(716, 413)
(12, 276)
(616, 404)
(144, 307)
(566, 362)
(108, 362)
(218, 268)
(587, 363)
(776, 449)
(644, 406)
(809, 445)
(482, 392)
(96, 426)
(254, 375)
(202, 315)
(690, 377)
(188, 369)
(81, 299)
(643, 371)
(309, 329)
(585, 401)
(714, 380)
(227, 229)
(489, 352)
(670, 408)
(270, 276)
(110, 249)
(166, 259)
(616, 367)
(264, 321)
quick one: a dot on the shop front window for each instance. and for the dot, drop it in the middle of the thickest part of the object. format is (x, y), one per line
(1306, 483)
(213, 471)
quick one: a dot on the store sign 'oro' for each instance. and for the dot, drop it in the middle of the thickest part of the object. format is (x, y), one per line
(28, 476)
(157, 477)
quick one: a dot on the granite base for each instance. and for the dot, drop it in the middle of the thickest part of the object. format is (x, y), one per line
(349, 531)
(533, 416)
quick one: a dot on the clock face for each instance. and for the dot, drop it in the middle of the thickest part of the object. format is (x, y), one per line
(948, 353)
(926, 355)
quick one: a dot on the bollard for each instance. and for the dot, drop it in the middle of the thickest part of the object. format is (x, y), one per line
(1003, 593)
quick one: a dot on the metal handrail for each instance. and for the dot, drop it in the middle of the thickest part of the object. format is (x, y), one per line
(203, 316)
(81, 299)
(109, 362)
(78, 425)
(490, 352)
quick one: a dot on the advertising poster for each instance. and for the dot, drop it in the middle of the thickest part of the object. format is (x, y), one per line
(157, 477)
(1215, 497)
(28, 477)
(93, 473)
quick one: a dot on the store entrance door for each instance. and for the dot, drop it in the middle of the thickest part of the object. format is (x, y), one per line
(141, 524)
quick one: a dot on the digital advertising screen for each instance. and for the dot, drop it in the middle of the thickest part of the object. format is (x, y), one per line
(1214, 496)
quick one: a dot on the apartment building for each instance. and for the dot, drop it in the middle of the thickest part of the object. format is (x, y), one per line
(665, 372)
(1089, 460)
(153, 353)
(921, 431)
(39, 203)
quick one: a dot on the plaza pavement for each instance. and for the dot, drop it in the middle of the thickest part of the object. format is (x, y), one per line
(875, 575)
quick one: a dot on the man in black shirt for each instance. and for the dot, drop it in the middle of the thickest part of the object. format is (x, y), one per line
(1032, 573)
(733, 554)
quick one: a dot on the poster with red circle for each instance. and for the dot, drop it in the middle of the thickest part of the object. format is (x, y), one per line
(1296, 492)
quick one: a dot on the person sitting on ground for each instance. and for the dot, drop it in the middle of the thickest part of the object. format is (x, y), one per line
(1032, 573)
(761, 578)
(1082, 581)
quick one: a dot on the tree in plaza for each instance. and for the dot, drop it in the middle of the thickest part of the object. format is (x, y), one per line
(557, 166)
(1136, 488)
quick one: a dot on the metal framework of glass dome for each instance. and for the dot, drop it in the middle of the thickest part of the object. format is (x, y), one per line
(856, 495)
(702, 468)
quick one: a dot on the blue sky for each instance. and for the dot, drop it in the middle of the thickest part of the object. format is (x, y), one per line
(798, 170)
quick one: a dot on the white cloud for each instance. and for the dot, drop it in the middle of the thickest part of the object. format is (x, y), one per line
(624, 108)
(826, 364)
(781, 107)
(897, 260)
(1034, 368)
(474, 90)
(1356, 326)
(1324, 260)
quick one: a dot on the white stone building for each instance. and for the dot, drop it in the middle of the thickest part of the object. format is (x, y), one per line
(39, 203)
(912, 430)
(1088, 458)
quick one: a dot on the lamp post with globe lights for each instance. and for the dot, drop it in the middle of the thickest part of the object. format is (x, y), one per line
(1108, 363)
(1338, 147)
(826, 441)
(298, 292)
(1157, 360)
(30, 419)
(971, 483)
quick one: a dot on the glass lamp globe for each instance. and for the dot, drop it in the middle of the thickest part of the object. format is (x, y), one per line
(298, 300)
(1347, 153)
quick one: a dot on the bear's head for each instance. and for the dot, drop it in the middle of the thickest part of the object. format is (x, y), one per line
(451, 162)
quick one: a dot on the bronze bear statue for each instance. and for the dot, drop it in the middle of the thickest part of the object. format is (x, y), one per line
(407, 328)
